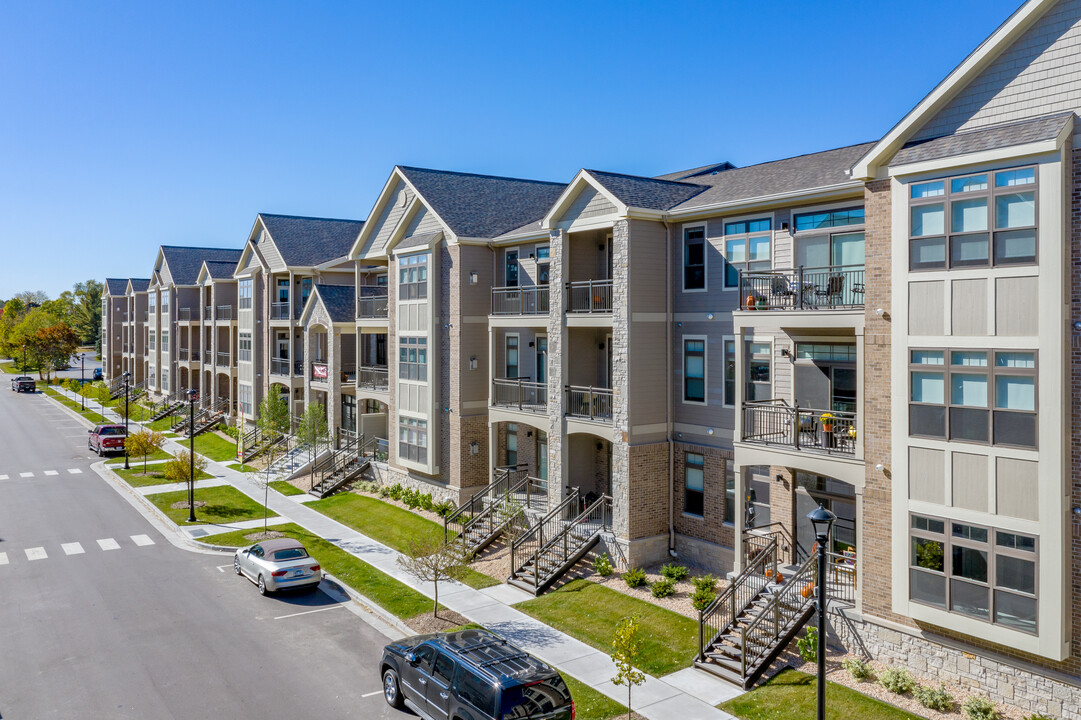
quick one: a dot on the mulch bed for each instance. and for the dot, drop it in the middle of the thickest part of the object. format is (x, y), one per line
(429, 623)
(183, 505)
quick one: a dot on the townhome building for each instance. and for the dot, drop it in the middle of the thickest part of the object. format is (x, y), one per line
(114, 318)
(217, 335)
(135, 292)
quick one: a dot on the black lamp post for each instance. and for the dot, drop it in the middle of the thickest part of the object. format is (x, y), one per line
(82, 380)
(193, 395)
(127, 412)
(822, 522)
(24, 357)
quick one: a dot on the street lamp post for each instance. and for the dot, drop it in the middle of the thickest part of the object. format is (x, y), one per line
(822, 522)
(193, 395)
(24, 357)
(82, 380)
(127, 412)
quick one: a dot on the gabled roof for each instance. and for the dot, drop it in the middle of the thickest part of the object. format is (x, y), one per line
(646, 192)
(309, 241)
(138, 285)
(116, 286)
(992, 138)
(339, 300)
(184, 262)
(711, 169)
(481, 206)
(219, 269)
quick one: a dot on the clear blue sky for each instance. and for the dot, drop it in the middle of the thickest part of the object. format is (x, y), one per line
(127, 125)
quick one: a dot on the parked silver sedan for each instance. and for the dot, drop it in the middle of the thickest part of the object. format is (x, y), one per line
(277, 564)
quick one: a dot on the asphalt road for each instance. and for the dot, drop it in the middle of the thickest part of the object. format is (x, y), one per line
(101, 617)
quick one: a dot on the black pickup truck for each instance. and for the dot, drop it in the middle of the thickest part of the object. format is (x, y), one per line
(24, 383)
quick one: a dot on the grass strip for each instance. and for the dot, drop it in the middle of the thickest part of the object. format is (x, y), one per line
(215, 447)
(239, 467)
(153, 476)
(285, 488)
(790, 695)
(592, 612)
(94, 417)
(159, 455)
(392, 595)
(590, 704)
(391, 525)
(224, 504)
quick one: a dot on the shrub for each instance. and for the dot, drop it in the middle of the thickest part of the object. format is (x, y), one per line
(663, 588)
(395, 491)
(411, 498)
(444, 508)
(674, 572)
(701, 598)
(934, 698)
(896, 680)
(602, 565)
(857, 668)
(426, 502)
(368, 486)
(808, 645)
(635, 577)
(976, 707)
(384, 491)
(708, 583)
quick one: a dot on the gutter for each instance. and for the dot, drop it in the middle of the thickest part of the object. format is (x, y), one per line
(668, 386)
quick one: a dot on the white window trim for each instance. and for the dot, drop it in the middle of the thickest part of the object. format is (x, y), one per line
(725, 339)
(705, 258)
(739, 218)
(705, 369)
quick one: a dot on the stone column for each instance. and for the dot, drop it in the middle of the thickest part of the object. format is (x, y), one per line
(621, 323)
(558, 362)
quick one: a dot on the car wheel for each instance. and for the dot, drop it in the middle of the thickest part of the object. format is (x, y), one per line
(391, 693)
(100, 453)
(262, 586)
(236, 565)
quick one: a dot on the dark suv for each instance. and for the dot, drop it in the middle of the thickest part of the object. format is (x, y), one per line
(472, 675)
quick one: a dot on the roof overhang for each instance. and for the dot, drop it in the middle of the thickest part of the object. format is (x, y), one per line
(1043, 147)
(386, 196)
(581, 180)
(251, 249)
(845, 189)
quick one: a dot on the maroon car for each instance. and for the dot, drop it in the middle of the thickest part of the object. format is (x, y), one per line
(106, 439)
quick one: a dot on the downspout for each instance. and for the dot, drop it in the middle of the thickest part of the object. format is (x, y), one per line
(668, 387)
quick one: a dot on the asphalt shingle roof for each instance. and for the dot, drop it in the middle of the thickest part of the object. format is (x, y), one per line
(220, 270)
(695, 172)
(116, 286)
(184, 262)
(645, 192)
(308, 241)
(339, 300)
(992, 138)
(483, 206)
(140, 284)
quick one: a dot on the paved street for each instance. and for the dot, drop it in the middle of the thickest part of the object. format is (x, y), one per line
(100, 616)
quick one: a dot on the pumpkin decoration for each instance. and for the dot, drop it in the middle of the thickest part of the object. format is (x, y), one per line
(807, 590)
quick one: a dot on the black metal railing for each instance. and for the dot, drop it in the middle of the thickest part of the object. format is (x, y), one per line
(589, 296)
(279, 311)
(208, 357)
(528, 300)
(185, 314)
(520, 394)
(589, 402)
(373, 377)
(280, 366)
(372, 301)
(526, 546)
(567, 542)
(803, 288)
(721, 614)
(505, 478)
(225, 312)
(775, 422)
(224, 359)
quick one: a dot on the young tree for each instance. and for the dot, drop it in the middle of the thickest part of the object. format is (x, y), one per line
(313, 428)
(178, 469)
(273, 422)
(429, 559)
(143, 443)
(627, 647)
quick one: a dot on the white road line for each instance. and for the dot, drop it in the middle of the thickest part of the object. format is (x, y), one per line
(221, 568)
(51, 472)
(108, 544)
(367, 695)
(142, 540)
(3, 558)
(28, 474)
(37, 553)
(73, 548)
(3, 477)
(75, 471)
(308, 612)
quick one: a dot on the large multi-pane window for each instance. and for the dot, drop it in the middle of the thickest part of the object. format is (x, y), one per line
(165, 303)
(693, 484)
(413, 358)
(980, 396)
(164, 340)
(165, 378)
(694, 369)
(746, 247)
(828, 219)
(152, 300)
(243, 350)
(243, 294)
(244, 394)
(973, 220)
(150, 339)
(694, 258)
(413, 439)
(981, 572)
(413, 277)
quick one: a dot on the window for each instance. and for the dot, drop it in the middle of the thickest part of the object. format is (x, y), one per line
(828, 219)
(759, 385)
(443, 669)
(243, 294)
(164, 302)
(413, 358)
(963, 572)
(165, 378)
(150, 341)
(544, 265)
(729, 371)
(694, 370)
(244, 347)
(694, 259)
(413, 440)
(840, 352)
(693, 480)
(954, 400)
(474, 691)
(746, 247)
(283, 290)
(244, 393)
(164, 340)
(511, 267)
(729, 491)
(512, 444)
(152, 300)
(512, 356)
(968, 222)
(413, 277)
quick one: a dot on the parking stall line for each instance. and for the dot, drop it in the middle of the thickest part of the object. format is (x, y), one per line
(3, 477)
(108, 544)
(308, 612)
(368, 695)
(3, 558)
(75, 471)
(51, 472)
(36, 553)
(26, 474)
(142, 540)
(72, 548)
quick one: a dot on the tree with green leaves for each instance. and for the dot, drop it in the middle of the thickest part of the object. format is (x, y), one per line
(179, 468)
(627, 649)
(144, 443)
(86, 311)
(273, 422)
(313, 429)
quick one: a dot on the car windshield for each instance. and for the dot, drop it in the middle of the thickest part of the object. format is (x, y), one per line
(290, 554)
(111, 431)
(536, 698)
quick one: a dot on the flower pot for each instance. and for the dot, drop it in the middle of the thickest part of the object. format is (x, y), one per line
(749, 302)
(807, 590)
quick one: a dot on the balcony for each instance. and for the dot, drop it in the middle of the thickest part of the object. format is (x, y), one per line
(589, 403)
(372, 302)
(208, 313)
(223, 359)
(208, 357)
(775, 422)
(838, 287)
(320, 371)
(349, 373)
(187, 314)
(520, 394)
(182, 354)
(225, 312)
(279, 311)
(531, 300)
(590, 297)
(280, 366)
(373, 377)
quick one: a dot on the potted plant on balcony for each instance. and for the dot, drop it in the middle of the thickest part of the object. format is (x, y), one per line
(760, 302)
(827, 422)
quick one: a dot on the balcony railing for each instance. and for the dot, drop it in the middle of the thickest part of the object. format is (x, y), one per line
(590, 296)
(225, 312)
(320, 372)
(372, 377)
(280, 366)
(775, 422)
(208, 357)
(223, 359)
(530, 300)
(186, 314)
(836, 287)
(520, 394)
(589, 402)
(182, 354)
(372, 302)
(279, 311)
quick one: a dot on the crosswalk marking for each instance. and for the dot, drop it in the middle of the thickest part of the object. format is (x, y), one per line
(51, 472)
(75, 471)
(3, 558)
(73, 548)
(3, 477)
(108, 544)
(26, 474)
(36, 553)
(142, 540)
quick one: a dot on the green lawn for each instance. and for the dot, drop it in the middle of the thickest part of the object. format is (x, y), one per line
(159, 455)
(391, 525)
(791, 696)
(15, 368)
(286, 488)
(590, 704)
(390, 594)
(223, 504)
(89, 414)
(241, 468)
(161, 425)
(215, 447)
(154, 476)
(591, 613)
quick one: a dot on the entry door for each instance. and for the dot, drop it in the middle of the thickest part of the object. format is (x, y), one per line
(542, 455)
(283, 347)
(813, 386)
(542, 358)
(381, 350)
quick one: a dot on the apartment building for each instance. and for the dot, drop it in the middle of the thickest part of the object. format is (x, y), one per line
(135, 291)
(211, 347)
(114, 318)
